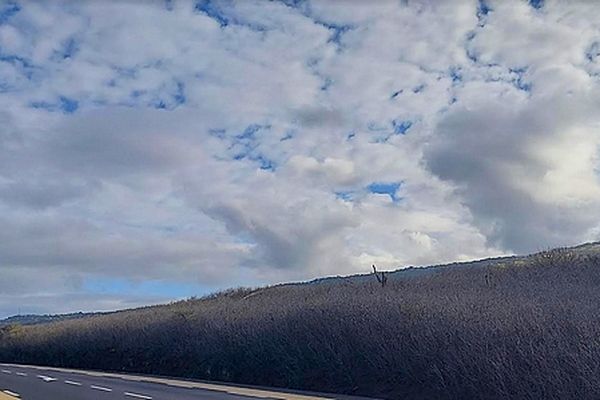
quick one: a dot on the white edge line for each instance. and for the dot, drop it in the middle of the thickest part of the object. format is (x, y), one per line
(138, 396)
(13, 394)
(104, 389)
(73, 383)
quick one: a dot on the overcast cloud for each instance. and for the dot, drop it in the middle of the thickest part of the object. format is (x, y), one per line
(155, 150)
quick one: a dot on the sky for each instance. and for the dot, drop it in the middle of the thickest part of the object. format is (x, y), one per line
(155, 150)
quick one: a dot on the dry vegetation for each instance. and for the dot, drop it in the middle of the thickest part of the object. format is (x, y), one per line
(520, 328)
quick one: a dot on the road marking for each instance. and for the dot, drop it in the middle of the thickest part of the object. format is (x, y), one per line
(13, 394)
(46, 378)
(104, 389)
(6, 371)
(138, 396)
(21, 374)
(73, 383)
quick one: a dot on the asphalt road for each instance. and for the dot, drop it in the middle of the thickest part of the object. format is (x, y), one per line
(41, 383)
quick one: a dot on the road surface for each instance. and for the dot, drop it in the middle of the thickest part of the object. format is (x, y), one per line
(44, 383)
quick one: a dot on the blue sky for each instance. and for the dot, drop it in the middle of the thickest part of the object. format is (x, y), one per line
(151, 151)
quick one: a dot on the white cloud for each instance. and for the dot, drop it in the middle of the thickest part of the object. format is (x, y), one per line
(235, 143)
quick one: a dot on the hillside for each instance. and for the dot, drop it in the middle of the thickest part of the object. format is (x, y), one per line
(513, 327)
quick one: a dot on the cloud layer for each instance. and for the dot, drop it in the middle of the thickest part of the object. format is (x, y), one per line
(152, 151)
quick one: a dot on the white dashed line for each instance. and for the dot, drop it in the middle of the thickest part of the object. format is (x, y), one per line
(13, 394)
(21, 374)
(73, 383)
(138, 396)
(46, 378)
(6, 371)
(104, 389)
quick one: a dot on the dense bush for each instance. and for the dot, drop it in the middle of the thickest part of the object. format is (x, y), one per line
(517, 328)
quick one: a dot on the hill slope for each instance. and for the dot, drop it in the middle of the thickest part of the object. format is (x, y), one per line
(515, 327)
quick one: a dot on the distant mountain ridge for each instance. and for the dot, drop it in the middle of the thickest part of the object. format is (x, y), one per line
(35, 319)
